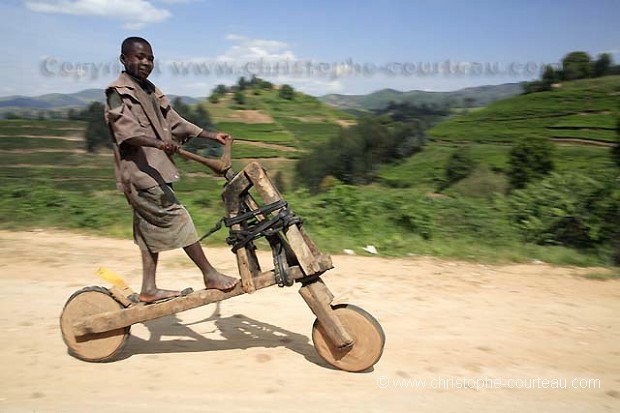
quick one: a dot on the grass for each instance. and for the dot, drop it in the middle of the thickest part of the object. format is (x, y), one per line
(421, 170)
(586, 120)
(301, 122)
(427, 168)
(589, 105)
(77, 191)
(54, 158)
(106, 213)
(48, 124)
(603, 276)
(311, 133)
(248, 151)
(259, 132)
(41, 128)
(605, 135)
(22, 142)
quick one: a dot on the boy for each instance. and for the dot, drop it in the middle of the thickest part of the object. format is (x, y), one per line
(146, 132)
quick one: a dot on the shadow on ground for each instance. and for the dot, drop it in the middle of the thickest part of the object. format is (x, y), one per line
(238, 332)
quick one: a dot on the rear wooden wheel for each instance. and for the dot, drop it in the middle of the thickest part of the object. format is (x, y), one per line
(368, 340)
(92, 347)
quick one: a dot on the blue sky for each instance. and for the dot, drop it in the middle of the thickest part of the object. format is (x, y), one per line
(320, 47)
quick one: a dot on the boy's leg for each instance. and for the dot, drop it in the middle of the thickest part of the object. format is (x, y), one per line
(150, 292)
(212, 278)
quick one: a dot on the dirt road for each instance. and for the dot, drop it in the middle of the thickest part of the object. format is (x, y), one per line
(515, 332)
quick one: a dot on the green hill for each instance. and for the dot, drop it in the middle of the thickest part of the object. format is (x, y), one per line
(267, 127)
(295, 124)
(580, 117)
(59, 103)
(49, 180)
(468, 97)
(580, 110)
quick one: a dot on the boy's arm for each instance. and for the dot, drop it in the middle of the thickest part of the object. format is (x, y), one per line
(220, 137)
(126, 129)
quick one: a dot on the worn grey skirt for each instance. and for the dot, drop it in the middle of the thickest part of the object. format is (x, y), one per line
(160, 222)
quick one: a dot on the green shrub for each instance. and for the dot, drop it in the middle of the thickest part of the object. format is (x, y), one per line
(568, 209)
(416, 216)
(530, 159)
(459, 166)
(484, 182)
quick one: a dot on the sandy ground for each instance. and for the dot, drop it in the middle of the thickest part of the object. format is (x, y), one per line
(514, 331)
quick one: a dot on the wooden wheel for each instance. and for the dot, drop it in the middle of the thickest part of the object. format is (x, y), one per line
(92, 347)
(368, 340)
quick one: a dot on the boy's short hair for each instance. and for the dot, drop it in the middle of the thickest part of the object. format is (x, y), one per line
(129, 42)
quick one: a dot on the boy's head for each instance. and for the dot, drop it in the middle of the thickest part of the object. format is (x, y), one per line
(137, 57)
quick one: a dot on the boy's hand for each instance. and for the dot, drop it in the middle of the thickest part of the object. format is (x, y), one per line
(222, 137)
(169, 147)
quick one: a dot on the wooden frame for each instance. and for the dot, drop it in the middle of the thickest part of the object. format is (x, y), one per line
(310, 263)
(310, 259)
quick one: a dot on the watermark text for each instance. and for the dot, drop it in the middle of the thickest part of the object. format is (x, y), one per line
(488, 383)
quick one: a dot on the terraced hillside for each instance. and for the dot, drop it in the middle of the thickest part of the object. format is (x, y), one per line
(580, 117)
(580, 111)
(45, 166)
(51, 150)
(49, 180)
(266, 127)
(295, 124)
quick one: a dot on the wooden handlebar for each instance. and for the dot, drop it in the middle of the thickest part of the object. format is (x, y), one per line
(219, 166)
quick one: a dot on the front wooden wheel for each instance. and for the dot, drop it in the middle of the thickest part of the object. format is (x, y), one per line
(368, 340)
(92, 347)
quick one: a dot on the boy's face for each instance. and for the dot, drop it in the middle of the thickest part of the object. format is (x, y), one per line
(138, 60)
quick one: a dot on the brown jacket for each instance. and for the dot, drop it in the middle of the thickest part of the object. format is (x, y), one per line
(140, 113)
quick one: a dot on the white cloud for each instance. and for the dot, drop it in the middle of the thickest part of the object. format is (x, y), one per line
(135, 13)
(179, 1)
(250, 50)
(271, 52)
(268, 59)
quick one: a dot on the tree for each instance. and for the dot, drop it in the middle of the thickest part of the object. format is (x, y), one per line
(182, 109)
(576, 65)
(287, 92)
(533, 87)
(614, 70)
(615, 150)
(549, 77)
(242, 83)
(197, 115)
(239, 97)
(97, 133)
(602, 65)
(12, 116)
(469, 102)
(409, 138)
(530, 159)
(221, 89)
(355, 155)
(203, 117)
(459, 166)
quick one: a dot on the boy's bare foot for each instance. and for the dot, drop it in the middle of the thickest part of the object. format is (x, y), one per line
(156, 295)
(218, 281)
